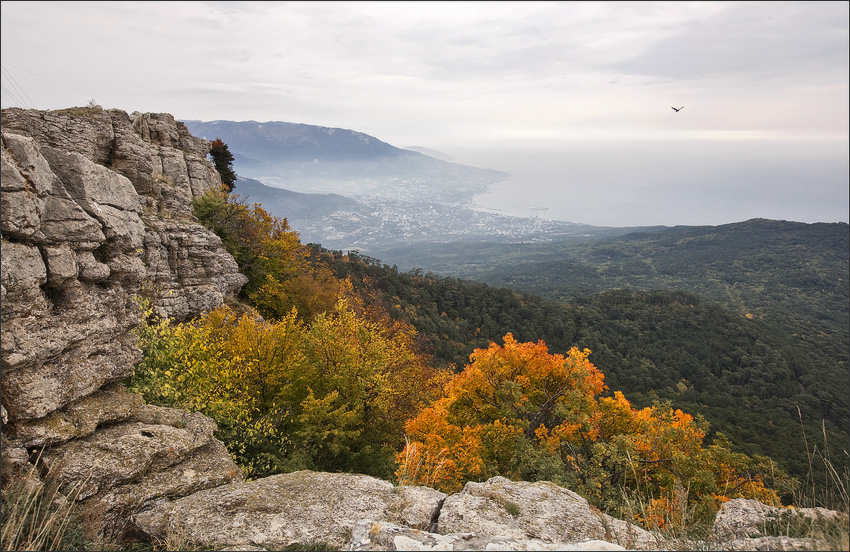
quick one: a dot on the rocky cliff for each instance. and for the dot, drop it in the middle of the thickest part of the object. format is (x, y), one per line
(96, 210)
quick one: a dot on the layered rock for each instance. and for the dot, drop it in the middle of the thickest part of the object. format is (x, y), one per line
(165, 163)
(289, 509)
(357, 512)
(95, 211)
(364, 513)
(541, 510)
(375, 535)
(156, 454)
(92, 206)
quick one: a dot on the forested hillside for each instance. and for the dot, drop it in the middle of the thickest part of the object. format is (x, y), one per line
(757, 267)
(791, 278)
(338, 362)
(742, 373)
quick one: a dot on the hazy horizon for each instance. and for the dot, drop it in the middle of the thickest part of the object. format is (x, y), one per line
(667, 183)
(657, 182)
(572, 98)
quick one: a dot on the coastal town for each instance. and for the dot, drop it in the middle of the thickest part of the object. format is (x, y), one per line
(379, 221)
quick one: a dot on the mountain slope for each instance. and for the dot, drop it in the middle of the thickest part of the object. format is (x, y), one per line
(311, 158)
(746, 376)
(301, 142)
(758, 266)
(295, 206)
(436, 154)
(402, 196)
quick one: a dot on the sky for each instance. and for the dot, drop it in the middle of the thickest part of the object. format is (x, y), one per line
(573, 99)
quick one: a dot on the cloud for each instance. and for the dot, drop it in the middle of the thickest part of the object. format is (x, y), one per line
(754, 41)
(409, 69)
(498, 78)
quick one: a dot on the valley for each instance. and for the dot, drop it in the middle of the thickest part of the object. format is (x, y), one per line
(745, 324)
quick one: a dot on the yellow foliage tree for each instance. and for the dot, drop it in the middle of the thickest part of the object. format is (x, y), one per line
(330, 394)
(231, 367)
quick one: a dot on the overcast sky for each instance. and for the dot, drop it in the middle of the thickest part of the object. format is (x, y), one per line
(448, 75)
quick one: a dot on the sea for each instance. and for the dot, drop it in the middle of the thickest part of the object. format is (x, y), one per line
(667, 182)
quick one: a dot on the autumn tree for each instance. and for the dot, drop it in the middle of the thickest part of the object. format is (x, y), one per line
(506, 394)
(232, 368)
(223, 160)
(520, 412)
(280, 271)
(330, 394)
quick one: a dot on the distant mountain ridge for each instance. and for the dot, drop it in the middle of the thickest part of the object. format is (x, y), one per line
(292, 205)
(362, 192)
(301, 142)
(436, 154)
(316, 159)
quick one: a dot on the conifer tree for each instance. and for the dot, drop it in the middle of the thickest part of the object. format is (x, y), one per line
(223, 160)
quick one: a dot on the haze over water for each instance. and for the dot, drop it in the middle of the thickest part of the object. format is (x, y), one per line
(572, 98)
(667, 182)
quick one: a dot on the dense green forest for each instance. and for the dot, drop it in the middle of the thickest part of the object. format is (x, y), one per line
(796, 271)
(753, 325)
(792, 277)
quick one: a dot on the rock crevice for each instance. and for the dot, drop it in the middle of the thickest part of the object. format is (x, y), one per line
(434, 523)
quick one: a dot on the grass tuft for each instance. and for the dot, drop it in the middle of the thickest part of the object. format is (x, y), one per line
(36, 516)
(410, 472)
(512, 508)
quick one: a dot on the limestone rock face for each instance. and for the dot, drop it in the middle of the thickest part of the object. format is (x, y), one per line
(95, 210)
(155, 454)
(165, 163)
(188, 271)
(363, 513)
(747, 524)
(419, 507)
(374, 535)
(79, 418)
(541, 510)
(357, 512)
(287, 509)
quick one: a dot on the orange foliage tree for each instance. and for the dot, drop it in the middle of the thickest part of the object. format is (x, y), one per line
(518, 411)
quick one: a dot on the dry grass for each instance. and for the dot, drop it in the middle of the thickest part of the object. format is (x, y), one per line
(830, 493)
(410, 475)
(92, 112)
(36, 516)
(682, 531)
(174, 539)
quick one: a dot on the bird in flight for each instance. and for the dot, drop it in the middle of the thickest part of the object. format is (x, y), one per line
(677, 110)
